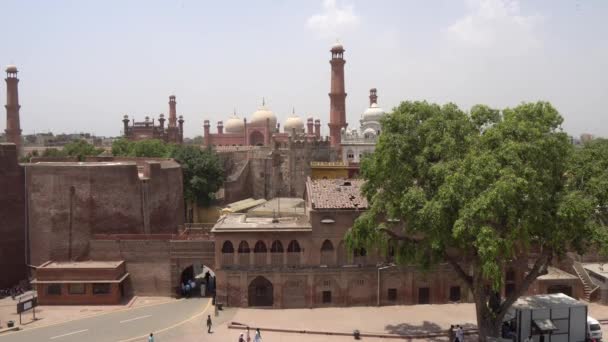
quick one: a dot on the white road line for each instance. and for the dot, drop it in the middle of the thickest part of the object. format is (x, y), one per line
(134, 319)
(68, 334)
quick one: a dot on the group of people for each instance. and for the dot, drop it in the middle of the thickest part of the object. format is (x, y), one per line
(246, 337)
(207, 286)
(12, 291)
(456, 333)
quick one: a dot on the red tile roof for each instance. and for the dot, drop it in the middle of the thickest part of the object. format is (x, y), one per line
(336, 194)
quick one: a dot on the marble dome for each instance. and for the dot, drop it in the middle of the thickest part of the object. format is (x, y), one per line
(234, 125)
(292, 122)
(259, 117)
(11, 68)
(373, 113)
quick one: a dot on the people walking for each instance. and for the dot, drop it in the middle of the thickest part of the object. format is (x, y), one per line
(241, 339)
(258, 336)
(460, 334)
(247, 335)
(452, 334)
(151, 337)
(209, 323)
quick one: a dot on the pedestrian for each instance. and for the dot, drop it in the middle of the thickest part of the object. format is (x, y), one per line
(451, 334)
(258, 336)
(187, 290)
(247, 335)
(183, 290)
(460, 334)
(241, 339)
(529, 339)
(151, 338)
(209, 324)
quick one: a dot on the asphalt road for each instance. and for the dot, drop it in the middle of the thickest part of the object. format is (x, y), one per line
(116, 326)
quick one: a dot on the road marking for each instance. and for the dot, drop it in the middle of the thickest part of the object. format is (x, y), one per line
(68, 334)
(135, 319)
(171, 327)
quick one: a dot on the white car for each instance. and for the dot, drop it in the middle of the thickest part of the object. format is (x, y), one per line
(594, 329)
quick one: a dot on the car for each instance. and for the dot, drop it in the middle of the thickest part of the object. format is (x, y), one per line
(594, 330)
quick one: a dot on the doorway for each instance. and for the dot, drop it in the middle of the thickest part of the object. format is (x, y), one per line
(260, 292)
(424, 295)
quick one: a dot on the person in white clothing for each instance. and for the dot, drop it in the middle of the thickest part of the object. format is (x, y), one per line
(258, 336)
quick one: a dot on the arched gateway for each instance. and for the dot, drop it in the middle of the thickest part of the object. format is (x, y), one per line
(260, 292)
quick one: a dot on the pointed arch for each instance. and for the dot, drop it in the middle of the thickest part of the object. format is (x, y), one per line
(227, 247)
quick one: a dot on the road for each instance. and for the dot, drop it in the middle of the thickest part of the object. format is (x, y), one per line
(126, 325)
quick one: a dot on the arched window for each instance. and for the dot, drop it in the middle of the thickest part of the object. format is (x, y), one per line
(227, 253)
(276, 253)
(327, 246)
(260, 247)
(243, 247)
(293, 253)
(227, 247)
(327, 253)
(294, 247)
(259, 253)
(277, 247)
(244, 253)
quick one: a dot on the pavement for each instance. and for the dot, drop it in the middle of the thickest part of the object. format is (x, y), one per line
(184, 320)
(123, 325)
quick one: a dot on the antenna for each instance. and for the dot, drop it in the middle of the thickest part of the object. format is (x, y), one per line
(263, 101)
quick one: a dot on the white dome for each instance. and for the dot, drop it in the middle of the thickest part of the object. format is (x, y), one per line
(259, 117)
(337, 46)
(234, 125)
(293, 122)
(11, 68)
(373, 113)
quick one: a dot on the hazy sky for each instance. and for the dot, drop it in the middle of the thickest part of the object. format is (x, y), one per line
(84, 64)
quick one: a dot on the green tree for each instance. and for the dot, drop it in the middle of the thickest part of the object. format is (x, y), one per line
(492, 188)
(202, 172)
(198, 140)
(122, 147)
(150, 148)
(81, 149)
(53, 152)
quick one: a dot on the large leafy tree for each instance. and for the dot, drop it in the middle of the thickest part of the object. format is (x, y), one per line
(81, 149)
(480, 191)
(202, 172)
(151, 148)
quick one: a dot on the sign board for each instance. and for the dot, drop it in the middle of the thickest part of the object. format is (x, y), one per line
(27, 304)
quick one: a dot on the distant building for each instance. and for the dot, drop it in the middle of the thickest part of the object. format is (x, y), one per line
(148, 129)
(356, 143)
(586, 137)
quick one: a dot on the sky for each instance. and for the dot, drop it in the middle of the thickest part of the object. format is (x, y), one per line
(85, 64)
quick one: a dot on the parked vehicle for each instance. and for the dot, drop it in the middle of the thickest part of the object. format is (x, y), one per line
(594, 330)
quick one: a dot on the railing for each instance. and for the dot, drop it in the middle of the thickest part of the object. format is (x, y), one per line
(276, 259)
(582, 273)
(259, 259)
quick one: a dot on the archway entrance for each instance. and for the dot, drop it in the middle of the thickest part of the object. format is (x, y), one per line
(256, 138)
(197, 280)
(260, 292)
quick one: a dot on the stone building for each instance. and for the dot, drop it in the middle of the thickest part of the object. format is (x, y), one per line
(12, 217)
(356, 143)
(148, 129)
(296, 257)
(262, 130)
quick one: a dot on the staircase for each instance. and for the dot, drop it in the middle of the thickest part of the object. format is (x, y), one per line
(589, 287)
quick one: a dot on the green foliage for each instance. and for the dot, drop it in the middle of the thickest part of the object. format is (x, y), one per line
(53, 152)
(81, 149)
(152, 148)
(202, 172)
(487, 187)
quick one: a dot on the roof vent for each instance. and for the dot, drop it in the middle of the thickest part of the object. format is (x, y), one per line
(347, 184)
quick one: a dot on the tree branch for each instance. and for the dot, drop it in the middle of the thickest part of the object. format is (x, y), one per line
(539, 268)
(398, 237)
(463, 275)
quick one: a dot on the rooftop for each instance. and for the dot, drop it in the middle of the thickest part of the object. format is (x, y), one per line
(238, 223)
(81, 264)
(546, 301)
(336, 194)
(601, 269)
(288, 206)
(555, 273)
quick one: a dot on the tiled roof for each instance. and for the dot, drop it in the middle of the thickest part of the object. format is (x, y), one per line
(336, 194)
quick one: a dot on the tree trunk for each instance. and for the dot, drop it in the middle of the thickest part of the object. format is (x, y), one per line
(487, 322)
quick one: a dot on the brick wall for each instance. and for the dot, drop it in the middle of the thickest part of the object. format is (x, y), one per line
(12, 217)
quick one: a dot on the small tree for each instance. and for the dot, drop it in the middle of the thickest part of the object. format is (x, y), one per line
(480, 192)
(202, 172)
(81, 149)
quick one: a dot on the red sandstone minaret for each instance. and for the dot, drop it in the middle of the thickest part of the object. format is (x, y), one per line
(337, 96)
(172, 112)
(13, 128)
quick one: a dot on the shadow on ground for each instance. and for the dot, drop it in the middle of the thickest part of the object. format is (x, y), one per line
(424, 328)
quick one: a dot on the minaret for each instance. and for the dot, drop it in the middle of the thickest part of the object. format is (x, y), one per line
(373, 98)
(13, 128)
(172, 112)
(337, 96)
